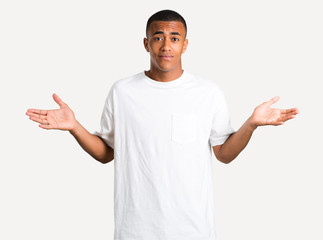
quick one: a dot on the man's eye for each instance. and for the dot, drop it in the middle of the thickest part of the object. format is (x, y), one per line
(175, 39)
(157, 38)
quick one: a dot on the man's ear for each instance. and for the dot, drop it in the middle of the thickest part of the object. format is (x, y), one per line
(146, 44)
(185, 45)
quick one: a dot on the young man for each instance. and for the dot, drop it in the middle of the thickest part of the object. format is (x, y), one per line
(161, 127)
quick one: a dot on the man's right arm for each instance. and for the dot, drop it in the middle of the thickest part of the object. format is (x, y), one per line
(64, 119)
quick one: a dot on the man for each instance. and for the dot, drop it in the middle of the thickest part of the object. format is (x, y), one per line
(161, 127)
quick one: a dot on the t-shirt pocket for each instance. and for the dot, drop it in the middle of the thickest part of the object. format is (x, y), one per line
(184, 128)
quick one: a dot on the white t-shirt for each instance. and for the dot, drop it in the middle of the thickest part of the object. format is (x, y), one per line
(162, 133)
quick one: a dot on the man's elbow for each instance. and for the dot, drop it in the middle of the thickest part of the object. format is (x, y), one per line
(105, 161)
(108, 154)
(224, 160)
(106, 158)
(218, 152)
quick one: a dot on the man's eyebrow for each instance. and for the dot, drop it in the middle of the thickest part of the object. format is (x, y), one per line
(158, 32)
(172, 33)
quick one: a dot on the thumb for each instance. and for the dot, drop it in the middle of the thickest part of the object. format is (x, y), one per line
(58, 100)
(273, 100)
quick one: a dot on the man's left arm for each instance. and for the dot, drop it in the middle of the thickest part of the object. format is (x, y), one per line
(262, 115)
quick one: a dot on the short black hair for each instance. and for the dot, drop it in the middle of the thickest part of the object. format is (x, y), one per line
(167, 16)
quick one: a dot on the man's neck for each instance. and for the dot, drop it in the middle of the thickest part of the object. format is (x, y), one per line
(163, 76)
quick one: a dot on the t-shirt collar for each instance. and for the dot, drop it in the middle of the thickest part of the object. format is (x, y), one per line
(172, 83)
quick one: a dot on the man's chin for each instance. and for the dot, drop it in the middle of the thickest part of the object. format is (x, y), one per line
(166, 68)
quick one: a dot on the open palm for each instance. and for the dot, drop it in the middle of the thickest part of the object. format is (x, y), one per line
(62, 118)
(265, 115)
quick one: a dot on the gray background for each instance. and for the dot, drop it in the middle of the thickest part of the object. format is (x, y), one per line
(255, 50)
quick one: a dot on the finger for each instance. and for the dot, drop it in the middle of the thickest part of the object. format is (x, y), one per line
(36, 115)
(275, 123)
(39, 120)
(37, 111)
(295, 110)
(44, 126)
(58, 100)
(287, 117)
(290, 111)
(273, 100)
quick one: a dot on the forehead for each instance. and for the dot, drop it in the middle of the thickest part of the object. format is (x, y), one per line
(166, 27)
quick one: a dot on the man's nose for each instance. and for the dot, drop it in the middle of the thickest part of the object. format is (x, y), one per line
(166, 45)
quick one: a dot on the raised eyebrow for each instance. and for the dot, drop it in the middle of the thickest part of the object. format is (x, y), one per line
(172, 33)
(158, 32)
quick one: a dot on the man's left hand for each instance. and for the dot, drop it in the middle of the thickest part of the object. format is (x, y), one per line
(265, 115)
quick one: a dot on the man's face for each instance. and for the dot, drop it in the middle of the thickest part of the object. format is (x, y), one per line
(166, 43)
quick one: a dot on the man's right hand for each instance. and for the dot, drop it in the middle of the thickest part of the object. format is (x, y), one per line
(61, 119)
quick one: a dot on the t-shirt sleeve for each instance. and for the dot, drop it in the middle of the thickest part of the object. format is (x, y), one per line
(221, 126)
(107, 123)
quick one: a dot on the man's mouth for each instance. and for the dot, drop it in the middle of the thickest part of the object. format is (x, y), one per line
(166, 57)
